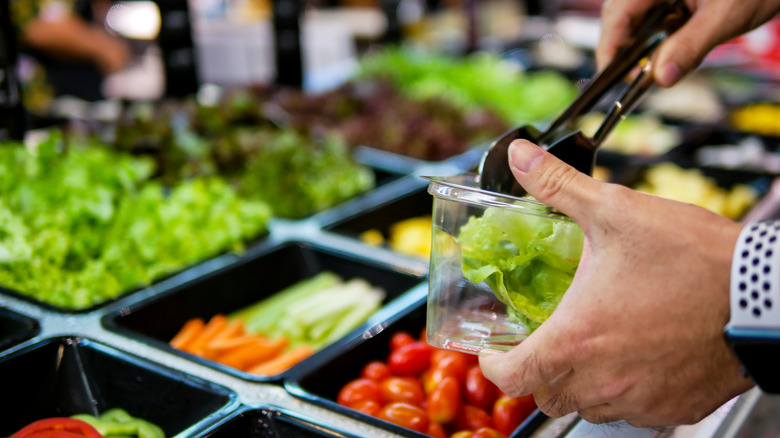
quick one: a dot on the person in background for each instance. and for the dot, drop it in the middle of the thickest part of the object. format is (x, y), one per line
(70, 51)
(639, 334)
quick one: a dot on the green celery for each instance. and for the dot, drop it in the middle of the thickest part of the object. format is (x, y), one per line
(261, 317)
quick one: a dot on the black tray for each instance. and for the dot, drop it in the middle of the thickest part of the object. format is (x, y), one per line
(272, 422)
(15, 328)
(158, 319)
(383, 216)
(70, 375)
(320, 382)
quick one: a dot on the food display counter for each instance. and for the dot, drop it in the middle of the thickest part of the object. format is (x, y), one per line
(117, 353)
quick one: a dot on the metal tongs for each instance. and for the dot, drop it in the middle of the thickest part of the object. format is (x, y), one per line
(561, 138)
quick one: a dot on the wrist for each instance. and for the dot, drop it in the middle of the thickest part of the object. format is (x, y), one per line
(753, 331)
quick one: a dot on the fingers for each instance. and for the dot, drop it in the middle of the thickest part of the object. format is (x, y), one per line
(619, 18)
(685, 49)
(552, 181)
(534, 363)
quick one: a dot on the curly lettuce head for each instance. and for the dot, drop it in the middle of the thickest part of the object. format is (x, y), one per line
(528, 261)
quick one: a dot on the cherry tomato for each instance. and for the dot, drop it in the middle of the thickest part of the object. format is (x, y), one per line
(400, 339)
(462, 434)
(368, 407)
(62, 426)
(405, 415)
(486, 432)
(509, 413)
(472, 418)
(360, 390)
(424, 335)
(427, 381)
(443, 404)
(480, 391)
(376, 371)
(402, 389)
(436, 430)
(410, 359)
(439, 354)
(451, 363)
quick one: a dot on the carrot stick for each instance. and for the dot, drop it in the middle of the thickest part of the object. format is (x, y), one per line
(234, 344)
(283, 362)
(232, 330)
(189, 331)
(250, 355)
(214, 327)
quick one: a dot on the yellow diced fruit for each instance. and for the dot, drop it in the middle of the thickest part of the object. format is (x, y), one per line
(412, 237)
(372, 237)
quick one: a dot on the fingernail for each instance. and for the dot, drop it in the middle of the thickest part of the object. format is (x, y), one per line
(524, 155)
(487, 352)
(670, 74)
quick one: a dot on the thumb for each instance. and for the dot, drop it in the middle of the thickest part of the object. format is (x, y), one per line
(553, 182)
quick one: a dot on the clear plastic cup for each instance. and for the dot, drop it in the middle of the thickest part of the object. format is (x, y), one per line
(499, 265)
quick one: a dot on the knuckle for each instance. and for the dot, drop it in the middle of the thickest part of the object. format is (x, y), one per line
(506, 377)
(554, 180)
(511, 386)
(555, 405)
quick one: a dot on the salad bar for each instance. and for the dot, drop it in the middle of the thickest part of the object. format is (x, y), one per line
(222, 268)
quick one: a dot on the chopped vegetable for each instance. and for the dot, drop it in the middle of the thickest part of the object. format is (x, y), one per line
(759, 118)
(481, 80)
(410, 236)
(82, 225)
(284, 361)
(58, 426)
(670, 181)
(644, 135)
(527, 260)
(188, 333)
(270, 336)
(114, 423)
(298, 177)
(315, 312)
(225, 341)
(117, 423)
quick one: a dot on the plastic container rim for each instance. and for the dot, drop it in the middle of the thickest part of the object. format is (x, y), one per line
(464, 189)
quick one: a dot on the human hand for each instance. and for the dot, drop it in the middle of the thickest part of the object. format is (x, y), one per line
(638, 336)
(712, 22)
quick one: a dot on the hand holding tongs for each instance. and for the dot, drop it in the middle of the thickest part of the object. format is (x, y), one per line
(569, 144)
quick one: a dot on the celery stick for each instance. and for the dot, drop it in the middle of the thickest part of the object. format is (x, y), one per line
(369, 303)
(264, 315)
(358, 314)
(335, 301)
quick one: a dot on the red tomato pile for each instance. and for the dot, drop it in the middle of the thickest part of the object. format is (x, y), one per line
(437, 392)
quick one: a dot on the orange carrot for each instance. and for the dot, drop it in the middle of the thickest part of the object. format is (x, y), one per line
(189, 331)
(232, 330)
(254, 353)
(234, 344)
(283, 362)
(214, 327)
